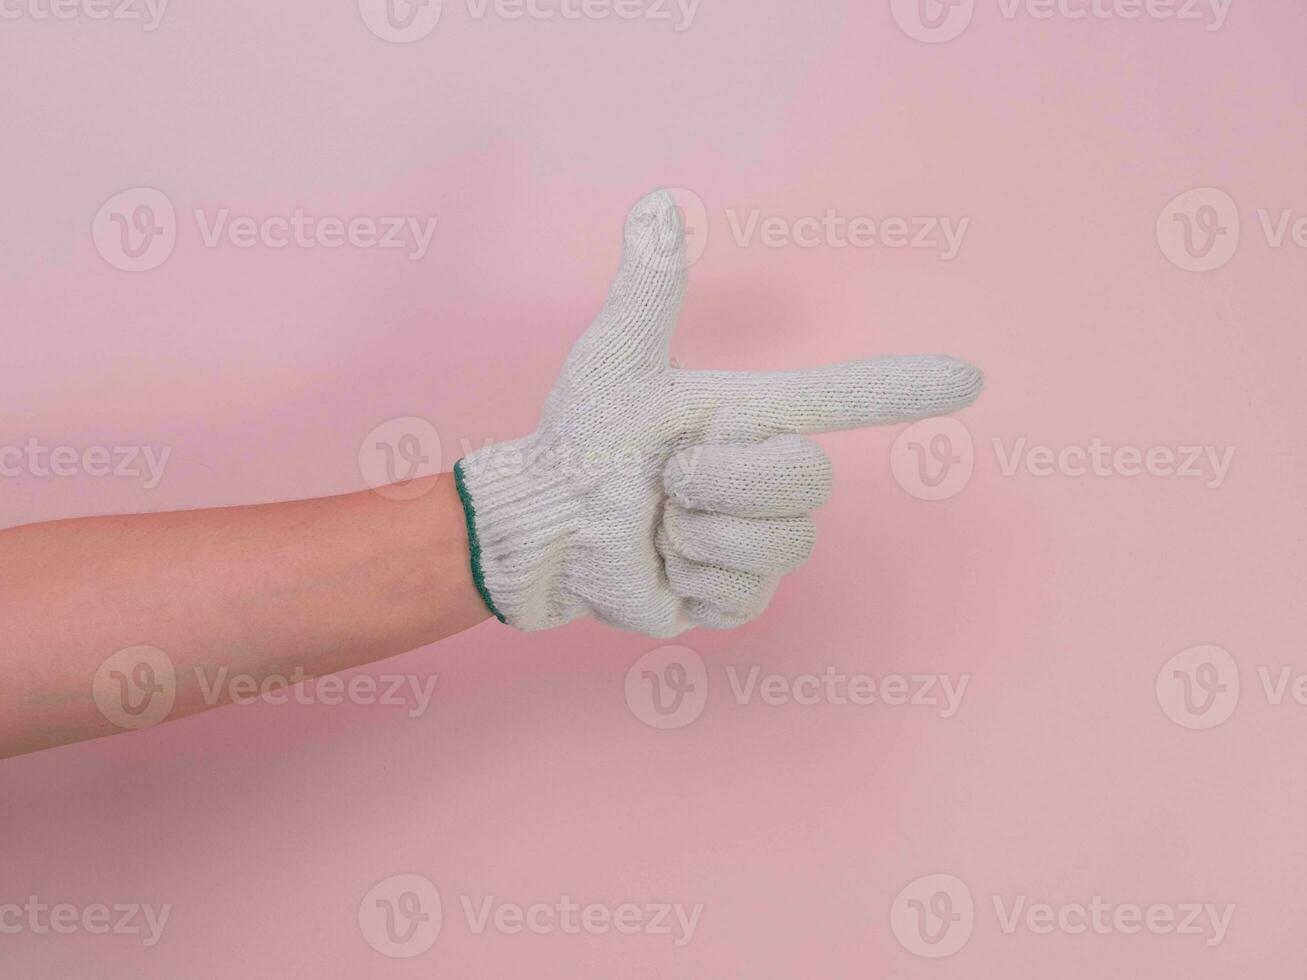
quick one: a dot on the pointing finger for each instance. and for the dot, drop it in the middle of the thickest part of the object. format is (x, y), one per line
(879, 391)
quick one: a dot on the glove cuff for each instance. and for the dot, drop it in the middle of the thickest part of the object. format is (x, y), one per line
(521, 517)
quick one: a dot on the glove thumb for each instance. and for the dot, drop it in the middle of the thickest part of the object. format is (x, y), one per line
(633, 331)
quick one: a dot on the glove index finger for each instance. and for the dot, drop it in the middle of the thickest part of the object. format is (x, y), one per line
(878, 391)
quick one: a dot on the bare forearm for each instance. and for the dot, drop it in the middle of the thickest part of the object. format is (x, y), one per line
(304, 588)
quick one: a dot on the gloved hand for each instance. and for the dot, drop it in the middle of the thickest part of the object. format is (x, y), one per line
(655, 498)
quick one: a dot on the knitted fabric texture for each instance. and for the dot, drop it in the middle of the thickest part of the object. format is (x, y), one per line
(655, 498)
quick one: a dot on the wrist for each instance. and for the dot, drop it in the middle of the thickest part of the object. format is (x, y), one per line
(522, 516)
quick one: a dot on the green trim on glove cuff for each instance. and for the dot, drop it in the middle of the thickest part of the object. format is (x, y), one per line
(473, 542)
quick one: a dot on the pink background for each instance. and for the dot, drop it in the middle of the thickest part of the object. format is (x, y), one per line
(1061, 598)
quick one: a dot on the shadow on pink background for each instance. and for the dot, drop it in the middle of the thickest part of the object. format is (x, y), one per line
(1069, 771)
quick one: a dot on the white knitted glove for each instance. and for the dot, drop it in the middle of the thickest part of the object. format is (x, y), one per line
(655, 498)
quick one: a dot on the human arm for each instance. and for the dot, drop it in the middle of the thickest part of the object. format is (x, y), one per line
(303, 588)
